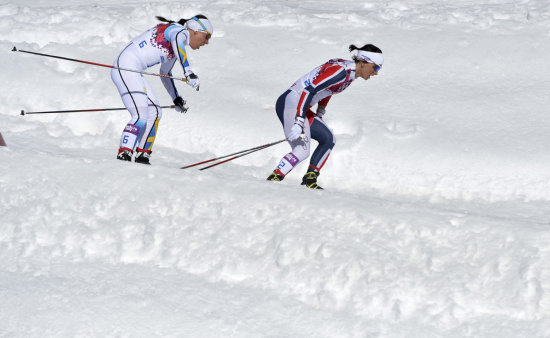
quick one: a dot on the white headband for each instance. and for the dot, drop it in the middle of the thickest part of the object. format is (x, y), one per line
(370, 57)
(199, 25)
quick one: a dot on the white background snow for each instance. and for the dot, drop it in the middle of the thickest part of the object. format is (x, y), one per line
(434, 221)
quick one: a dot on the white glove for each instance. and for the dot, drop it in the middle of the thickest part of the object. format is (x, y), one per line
(320, 111)
(296, 130)
(193, 80)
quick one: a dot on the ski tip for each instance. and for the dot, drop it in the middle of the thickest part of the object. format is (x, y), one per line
(22, 112)
(14, 49)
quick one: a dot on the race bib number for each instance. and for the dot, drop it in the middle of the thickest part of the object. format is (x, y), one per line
(130, 136)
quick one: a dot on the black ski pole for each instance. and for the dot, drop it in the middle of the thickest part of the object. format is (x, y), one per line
(232, 158)
(79, 110)
(97, 64)
(238, 152)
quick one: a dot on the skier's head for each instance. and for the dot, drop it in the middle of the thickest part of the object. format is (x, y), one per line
(200, 31)
(368, 60)
(199, 27)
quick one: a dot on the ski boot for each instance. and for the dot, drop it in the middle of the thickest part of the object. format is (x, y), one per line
(276, 175)
(124, 154)
(143, 156)
(310, 180)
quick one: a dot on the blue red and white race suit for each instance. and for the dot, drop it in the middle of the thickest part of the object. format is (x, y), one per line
(315, 87)
(164, 44)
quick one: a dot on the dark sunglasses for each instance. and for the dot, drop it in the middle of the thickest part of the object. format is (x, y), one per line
(376, 66)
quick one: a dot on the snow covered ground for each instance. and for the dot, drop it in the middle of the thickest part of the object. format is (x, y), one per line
(434, 221)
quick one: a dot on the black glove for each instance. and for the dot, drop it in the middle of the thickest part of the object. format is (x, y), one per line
(180, 105)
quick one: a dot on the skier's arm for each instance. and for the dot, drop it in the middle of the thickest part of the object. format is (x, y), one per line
(322, 105)
(179, 39)
(327, 78)
(166, 69)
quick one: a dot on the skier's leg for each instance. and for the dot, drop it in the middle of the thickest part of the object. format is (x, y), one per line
(154, 115)
(286, 111)
(322, 134)
(132, 90)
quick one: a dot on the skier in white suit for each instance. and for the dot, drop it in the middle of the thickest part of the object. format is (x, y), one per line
(165, 44)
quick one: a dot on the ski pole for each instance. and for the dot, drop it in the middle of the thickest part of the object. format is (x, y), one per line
(237, 153)
(79, 110)
(232, 158)
(98, 64)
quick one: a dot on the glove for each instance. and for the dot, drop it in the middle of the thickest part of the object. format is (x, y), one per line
(296, 130)
(320, 111)
(193, 80)
(180, 104)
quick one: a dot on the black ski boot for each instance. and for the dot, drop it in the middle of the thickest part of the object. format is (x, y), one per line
(276, 175)
(143, 157)
(310, 180)
(124, 155)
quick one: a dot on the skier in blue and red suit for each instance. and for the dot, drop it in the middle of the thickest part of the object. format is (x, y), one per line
(301, 124)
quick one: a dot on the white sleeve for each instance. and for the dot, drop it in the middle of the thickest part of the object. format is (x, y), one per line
(168, 83)
(179, 39)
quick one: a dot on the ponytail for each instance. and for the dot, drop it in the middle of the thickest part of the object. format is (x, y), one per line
(163, 19)
(181, 21)
(366, 48)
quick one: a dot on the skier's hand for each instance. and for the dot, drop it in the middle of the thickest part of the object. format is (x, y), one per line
(193, 80)
(296, 130)
(181, 106)
(320, 111)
